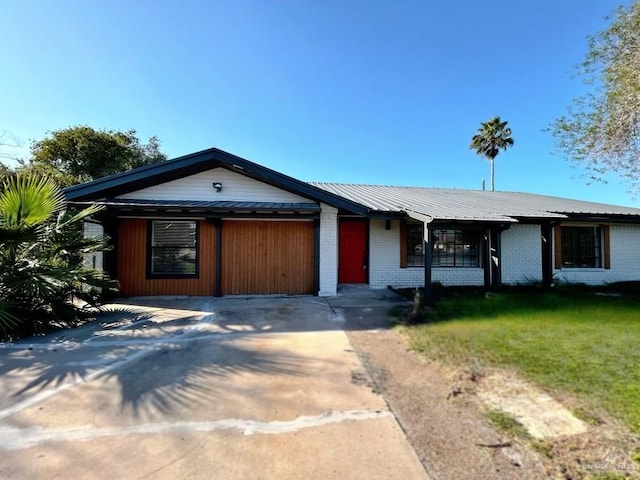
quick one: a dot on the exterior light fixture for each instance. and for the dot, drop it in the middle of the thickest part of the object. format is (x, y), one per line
(217, 186)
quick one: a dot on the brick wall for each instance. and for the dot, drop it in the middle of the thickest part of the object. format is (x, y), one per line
(522, 254)
(328, 251)
(384, 258)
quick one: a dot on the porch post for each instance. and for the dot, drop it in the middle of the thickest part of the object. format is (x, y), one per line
(427, 263)
(426, 242)
(496, 258)
(488, 261)
(316, 257)
(217, 224)
(547, 253)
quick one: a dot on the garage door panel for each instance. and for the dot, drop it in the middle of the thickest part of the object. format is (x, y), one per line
(267, 257)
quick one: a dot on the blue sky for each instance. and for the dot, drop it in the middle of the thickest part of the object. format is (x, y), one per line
(353, 91)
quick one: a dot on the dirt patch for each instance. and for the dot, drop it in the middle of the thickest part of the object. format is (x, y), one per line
(448, 431)
(443, 412)
(542, 416)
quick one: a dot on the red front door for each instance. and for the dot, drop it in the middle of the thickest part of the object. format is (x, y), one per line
(352, 261)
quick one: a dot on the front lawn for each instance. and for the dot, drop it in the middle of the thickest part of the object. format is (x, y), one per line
(577, 342)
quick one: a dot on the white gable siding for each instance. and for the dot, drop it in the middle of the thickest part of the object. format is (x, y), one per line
(625, 260)
(522, 254)
(328, 251)
(384, 259)
(235, 187)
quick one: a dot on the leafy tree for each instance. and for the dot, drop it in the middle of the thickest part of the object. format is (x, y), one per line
(42, 247)
(79, 154)
(491, 137)
(601, 130)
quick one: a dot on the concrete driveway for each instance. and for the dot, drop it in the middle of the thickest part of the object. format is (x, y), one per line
(199, 388)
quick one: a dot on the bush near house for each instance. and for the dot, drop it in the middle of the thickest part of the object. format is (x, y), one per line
(567, 340)
(41, 258)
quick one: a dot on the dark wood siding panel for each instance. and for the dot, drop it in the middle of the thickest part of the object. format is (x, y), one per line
(132, 257)
(606, 233)
(558, 246)
(264, 257)
(132, 248)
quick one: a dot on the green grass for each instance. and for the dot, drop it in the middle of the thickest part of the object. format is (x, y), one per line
(506, 423)
(576, 342)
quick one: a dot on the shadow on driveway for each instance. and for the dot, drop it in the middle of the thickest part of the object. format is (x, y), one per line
(164, 353)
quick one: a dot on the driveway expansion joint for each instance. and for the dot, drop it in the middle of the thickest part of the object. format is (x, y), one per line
(20, 438)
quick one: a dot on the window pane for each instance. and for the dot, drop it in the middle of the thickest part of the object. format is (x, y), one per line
(173, 247)
(581, 247)
(451, 247)
(173, 261)
(456, 248)
(415, 244)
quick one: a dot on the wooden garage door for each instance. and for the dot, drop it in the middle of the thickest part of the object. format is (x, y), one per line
(264, 257)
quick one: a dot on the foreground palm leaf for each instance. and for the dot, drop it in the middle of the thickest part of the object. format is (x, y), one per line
(41, 258)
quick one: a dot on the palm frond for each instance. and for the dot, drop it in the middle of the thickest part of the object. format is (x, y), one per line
(28, 200)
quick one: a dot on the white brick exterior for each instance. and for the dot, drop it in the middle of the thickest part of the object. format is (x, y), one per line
(384, 263)
(522, 254)
(235, 187)
(521, 259)
(328, 251)
(625, 260)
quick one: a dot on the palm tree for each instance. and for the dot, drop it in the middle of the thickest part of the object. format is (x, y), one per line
(492, 136)
(41, 257)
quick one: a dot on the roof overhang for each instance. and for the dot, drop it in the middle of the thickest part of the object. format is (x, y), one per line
(149, 208)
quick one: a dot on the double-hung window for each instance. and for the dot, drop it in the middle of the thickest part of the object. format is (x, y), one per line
(174, 248)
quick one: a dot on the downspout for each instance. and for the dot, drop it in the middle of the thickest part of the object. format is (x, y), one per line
(426, 237)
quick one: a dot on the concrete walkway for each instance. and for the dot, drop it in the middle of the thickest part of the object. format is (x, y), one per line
(199, 388)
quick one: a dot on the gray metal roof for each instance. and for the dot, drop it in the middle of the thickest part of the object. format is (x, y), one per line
(477, 205)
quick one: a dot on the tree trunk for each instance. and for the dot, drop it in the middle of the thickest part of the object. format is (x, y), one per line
(492, 184)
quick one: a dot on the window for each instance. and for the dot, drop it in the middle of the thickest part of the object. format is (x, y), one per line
(456, 248)
(415, 244)
(174, 249)
(451, 247)
(581, 247)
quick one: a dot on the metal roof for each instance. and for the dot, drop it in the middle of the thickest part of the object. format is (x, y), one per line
(476, 205)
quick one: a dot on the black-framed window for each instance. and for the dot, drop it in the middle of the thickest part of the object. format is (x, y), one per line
(173, 248)
(450, 247)
(455, 248)
(415, 245)
(581, 247)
